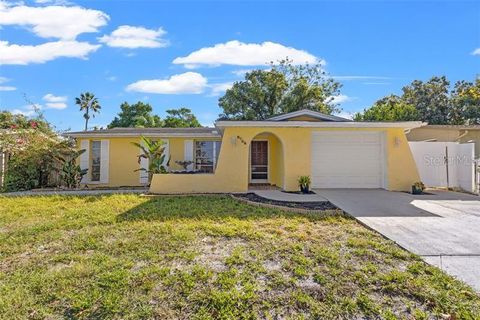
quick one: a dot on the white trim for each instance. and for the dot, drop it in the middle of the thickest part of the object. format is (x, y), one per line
(250, 163)
(104, 160)
(143, 174)
(84, 161)
(326, 124)
(308, 113)
(166, 152)
(383, 151)
(146, 134)
(188, 149)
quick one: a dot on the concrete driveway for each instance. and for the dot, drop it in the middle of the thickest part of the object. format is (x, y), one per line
(443, 228)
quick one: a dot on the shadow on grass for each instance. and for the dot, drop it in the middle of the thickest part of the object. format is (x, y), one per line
(214, 207)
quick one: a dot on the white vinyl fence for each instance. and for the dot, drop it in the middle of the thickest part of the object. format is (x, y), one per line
(446, 164)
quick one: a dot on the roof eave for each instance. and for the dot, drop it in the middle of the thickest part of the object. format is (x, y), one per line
(135, 135)
(327, 124)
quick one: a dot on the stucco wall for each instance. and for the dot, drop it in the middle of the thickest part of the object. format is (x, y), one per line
(232, 174)
(123, 159)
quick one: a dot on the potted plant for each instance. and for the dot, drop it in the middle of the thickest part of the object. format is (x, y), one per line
(418, 187)
(304, 184)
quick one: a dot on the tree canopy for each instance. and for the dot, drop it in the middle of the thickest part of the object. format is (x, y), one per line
(180, 118)
(138, 115)
(432, 101)
(283, 88)
(9, 120)
(390, 108)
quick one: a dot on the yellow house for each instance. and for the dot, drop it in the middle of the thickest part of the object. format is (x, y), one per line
(333, 151)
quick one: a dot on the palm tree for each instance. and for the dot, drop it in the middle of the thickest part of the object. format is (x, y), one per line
(88, 102)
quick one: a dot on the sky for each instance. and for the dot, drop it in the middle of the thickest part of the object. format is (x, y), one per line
(186, 54)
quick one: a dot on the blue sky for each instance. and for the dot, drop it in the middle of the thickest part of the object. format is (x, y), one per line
(174, 54)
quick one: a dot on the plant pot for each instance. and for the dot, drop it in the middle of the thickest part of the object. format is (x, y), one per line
(305, 189)
(416, 190)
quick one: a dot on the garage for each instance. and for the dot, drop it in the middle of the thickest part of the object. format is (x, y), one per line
(346, 159)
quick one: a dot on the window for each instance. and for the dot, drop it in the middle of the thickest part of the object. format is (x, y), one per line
(95, 160)
(206, 155)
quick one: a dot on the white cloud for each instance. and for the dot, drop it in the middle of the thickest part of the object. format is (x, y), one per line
(6, 88)
(185, 83)
(53, 98)
(135, 37)
(244, 54)
(220, 88)
(62, 22)
(341, 98)
(111, 78)
(26, 54)
(241, 72)
(476, 52)
(27, 111)
(55, 102)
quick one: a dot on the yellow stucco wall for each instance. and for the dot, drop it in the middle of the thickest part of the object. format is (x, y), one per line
(232, 173)
(122, 162)
(123, 159)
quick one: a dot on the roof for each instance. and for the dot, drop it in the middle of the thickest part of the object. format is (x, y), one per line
(320, 124)
(307, 113)
(452, 127)
(202, 132)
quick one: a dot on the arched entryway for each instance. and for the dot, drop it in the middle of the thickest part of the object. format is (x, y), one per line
(266, 164)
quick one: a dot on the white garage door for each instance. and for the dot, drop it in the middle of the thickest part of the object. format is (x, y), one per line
(347, 160)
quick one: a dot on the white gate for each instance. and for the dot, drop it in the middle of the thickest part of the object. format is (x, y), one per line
(446, 164)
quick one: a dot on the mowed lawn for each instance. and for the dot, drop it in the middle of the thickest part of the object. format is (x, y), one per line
(207, 257)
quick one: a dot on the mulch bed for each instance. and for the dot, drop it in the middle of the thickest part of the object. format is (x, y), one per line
(317, 205)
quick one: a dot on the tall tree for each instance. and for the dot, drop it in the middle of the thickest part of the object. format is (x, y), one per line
(390, 108)
(434, 102)
(89, 105)
(283, 88)
(137, 115)
(431, 99)
(181, 118)
(465, 99)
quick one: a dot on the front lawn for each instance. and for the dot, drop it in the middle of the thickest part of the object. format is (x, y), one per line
(207, 257)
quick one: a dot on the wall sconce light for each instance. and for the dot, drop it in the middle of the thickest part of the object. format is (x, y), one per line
(396, 141)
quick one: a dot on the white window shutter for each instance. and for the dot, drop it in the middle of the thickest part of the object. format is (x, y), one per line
(166, 152)
(143, 165)
(104, 160)
(188, 151)
(85, 159)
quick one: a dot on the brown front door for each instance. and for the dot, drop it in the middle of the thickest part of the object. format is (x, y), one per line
(259, 161)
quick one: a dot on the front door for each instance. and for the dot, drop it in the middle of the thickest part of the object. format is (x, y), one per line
(259, 161)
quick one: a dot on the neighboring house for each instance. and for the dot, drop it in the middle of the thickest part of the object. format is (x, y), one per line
(335, 152)
(448, 133)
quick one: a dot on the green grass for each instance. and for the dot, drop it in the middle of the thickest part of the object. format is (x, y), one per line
(207, 257)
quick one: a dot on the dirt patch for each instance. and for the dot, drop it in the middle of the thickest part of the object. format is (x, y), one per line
(212, 251)
(317, 205)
